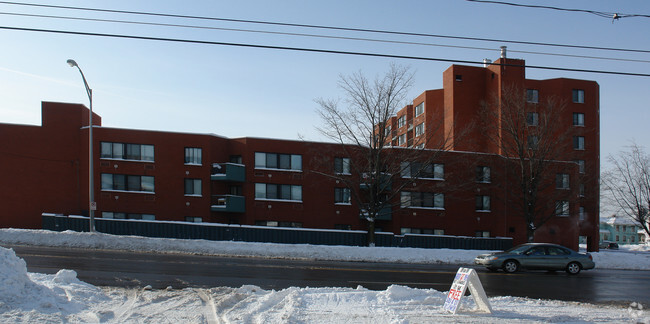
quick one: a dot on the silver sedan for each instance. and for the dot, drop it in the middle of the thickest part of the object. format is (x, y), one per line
(537, 256)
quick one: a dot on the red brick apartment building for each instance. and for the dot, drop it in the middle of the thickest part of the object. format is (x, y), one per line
(157, 175)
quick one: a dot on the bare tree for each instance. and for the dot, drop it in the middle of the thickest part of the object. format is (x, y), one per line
(628, 184)
(528, 135)
(361, 124)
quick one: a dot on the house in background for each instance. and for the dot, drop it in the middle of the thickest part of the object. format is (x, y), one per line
(622, 230)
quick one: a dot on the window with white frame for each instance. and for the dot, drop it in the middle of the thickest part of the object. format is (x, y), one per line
(292, 162)
(387, 131)
(401, 121)
(483, 174)
(562, 208)
(578, 96)
(482, 234)
(342, 196)
(578, 142)
(422, 199)
(127, 151)
(193, 219)
(532, 95)
(278, 191)
(123, 182)
(193, 155)
(578, 119)
(419, 129)
(342, 165)
(401, 140)
(192, 187)
(581, 165)
(532, 119)
(562, 181)
(423, 170)
(482, 203)
(419, 109)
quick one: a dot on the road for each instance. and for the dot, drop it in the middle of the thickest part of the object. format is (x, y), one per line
(119, 268)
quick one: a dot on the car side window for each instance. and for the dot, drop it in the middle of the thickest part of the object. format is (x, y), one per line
(539, 250)
(556, 251)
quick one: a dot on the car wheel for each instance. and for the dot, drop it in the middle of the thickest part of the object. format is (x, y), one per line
(510, 266)
(573, 268)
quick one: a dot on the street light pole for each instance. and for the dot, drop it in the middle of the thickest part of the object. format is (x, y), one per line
(91, 188)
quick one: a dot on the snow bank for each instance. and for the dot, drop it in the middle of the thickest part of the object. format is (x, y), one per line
(635, 257)
(28, 296)
(40, 298)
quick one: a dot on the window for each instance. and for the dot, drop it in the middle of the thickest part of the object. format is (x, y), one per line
(193, 187)
(581, 165)
(278, 161)
(342, 165)
(124, 182)
(562, 181)
(419, 129)
(438, 232)
(582, 213)
(483, 174)
(422, 199)
(342, 195)
(562, 208)
(401, 121)
(582, 190)
(121, 151)
(482, 203)
(401, 140)
(387, 131)
(532, 119)
(113, 215)
(578, 142)
(532, 95)
(459, 77)
(193, 155)
(193, 219)
(578, 96)
(419, 109)
(278, 191)
(533, 142)
(425, 171)
(482, 233)
(578, 119)
(345, 227)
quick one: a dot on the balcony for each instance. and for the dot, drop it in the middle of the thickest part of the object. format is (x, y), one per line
(228, 204)
(385, 213)
(385, 182)
(228, 172)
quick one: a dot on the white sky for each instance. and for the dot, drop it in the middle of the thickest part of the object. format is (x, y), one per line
(33, 297)
(236, 91)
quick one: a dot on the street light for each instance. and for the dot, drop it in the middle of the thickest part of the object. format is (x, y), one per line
(91, 189)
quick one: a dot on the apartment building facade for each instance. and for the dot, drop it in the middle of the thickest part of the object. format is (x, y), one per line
(157, 175)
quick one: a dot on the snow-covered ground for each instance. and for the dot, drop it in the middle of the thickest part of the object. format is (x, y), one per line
(40, 298)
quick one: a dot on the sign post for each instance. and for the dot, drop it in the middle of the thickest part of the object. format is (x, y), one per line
(466, 277)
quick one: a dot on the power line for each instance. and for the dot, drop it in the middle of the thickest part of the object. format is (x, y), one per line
(313, 50)
(604, 14)
(326, 27)
(314, 35)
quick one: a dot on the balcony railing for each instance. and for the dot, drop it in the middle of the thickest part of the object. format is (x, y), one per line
(228, 204)
(228, 172)
(386, 213)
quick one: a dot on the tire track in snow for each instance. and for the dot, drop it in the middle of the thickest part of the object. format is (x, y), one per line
(211, 308)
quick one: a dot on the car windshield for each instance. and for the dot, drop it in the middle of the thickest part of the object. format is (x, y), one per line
(518, 249)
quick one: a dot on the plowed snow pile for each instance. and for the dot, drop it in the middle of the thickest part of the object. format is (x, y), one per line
(39, 298)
